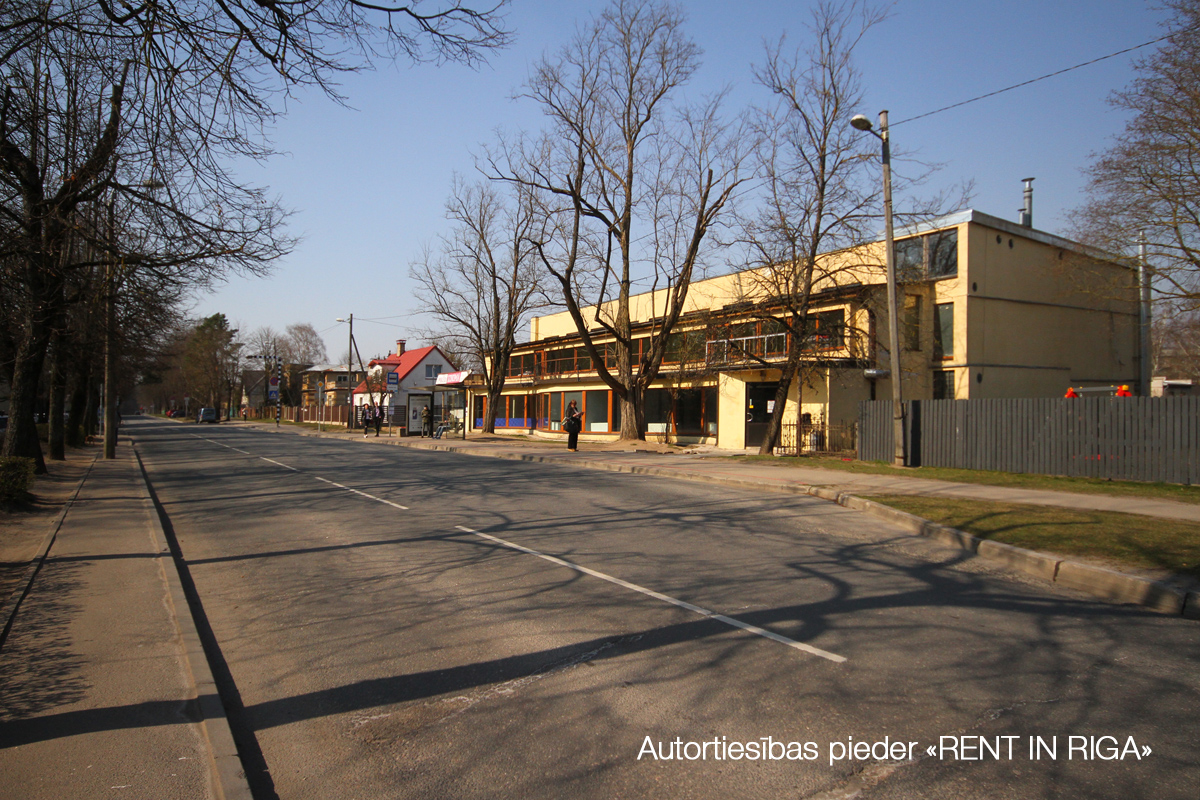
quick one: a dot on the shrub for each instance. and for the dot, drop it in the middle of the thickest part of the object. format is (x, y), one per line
(16, 476)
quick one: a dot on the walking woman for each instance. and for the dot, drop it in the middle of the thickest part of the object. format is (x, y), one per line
(573, 424)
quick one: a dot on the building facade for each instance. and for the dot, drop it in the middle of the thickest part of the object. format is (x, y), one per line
(987, 308)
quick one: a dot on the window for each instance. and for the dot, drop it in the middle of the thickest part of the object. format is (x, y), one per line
(559, 361)
(910, 259)
(932, 256)
(432, 371)
(658, 411)
(943, 331)
(943, 384)
(912, 321)
(595, 410)
(943, 254)
(520, 366)
(828, 330)
(341, 378)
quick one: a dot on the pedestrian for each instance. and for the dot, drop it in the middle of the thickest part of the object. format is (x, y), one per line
(573, 424)
(366, 420)
(426, 422)
(378, 420)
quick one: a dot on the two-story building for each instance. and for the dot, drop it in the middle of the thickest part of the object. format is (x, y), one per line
(411, 390)
(987, 308)
(328, 384)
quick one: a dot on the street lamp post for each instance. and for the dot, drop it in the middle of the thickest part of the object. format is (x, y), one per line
(349, 374)
(860, 122)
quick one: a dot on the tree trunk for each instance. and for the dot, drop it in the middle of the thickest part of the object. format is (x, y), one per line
(91, 413)
(633, 415)
(775, 423)
(79, 398)
(58, 397)
(21, 438)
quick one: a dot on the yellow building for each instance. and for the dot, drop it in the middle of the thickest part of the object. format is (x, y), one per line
(988, 308)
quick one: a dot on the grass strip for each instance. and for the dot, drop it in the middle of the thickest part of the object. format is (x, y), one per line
(1128, 540)
(1054, 483)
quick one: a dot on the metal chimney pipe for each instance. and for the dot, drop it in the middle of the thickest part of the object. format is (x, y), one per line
(1027, 211)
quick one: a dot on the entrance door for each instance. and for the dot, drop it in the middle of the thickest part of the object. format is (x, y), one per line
(760, 402)
(417, 402)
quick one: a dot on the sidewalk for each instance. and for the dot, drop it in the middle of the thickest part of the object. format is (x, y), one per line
(100, 672)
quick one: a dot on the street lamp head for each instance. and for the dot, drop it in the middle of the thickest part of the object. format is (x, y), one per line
(340, 319)
(860, 122)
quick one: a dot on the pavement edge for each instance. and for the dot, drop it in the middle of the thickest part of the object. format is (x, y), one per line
(1099, 582)
(228, 773)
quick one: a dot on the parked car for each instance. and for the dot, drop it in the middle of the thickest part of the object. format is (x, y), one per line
(207, 415)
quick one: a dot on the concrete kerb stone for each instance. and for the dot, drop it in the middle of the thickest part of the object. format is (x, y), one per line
(1097, 581)
(228, 774)
(1119, 587)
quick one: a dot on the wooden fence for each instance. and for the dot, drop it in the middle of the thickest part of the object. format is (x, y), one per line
(1125, 438)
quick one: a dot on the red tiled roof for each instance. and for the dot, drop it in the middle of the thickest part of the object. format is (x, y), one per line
(400, 364)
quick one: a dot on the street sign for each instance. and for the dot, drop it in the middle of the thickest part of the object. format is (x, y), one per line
(393, 381)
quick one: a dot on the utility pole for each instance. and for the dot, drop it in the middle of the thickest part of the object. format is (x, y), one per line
(859, 122)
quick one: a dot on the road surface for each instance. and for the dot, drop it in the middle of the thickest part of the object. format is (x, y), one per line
(393, 622)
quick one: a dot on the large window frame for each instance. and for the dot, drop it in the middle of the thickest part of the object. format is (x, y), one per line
(932, 256)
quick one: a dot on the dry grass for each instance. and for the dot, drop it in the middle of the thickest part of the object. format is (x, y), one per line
(1158, 491)
(1127, 540)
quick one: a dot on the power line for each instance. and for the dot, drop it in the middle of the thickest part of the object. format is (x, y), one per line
(1040, 78)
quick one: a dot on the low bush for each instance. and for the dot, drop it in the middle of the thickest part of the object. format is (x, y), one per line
(16, 476)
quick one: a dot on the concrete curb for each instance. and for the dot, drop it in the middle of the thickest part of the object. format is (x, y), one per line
(12, 604)
(1104, 583)
(1097, 581)
(228, 774)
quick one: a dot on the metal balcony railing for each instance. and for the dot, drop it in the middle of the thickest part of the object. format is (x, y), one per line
(745, 348)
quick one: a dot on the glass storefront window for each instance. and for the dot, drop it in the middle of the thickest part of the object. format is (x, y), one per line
(595, 411)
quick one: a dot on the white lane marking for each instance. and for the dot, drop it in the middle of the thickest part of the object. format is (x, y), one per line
(704, 612)
(293, 469)
(362, 494)
(222, 444)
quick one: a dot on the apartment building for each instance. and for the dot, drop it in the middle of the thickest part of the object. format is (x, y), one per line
(987, 308)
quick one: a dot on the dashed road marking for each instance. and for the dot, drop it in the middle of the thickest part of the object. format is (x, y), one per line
(666, 598)
(294, 469)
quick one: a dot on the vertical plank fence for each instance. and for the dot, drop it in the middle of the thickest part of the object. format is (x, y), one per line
(1122, 438)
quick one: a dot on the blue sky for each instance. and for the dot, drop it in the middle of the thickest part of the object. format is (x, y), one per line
(368, 183)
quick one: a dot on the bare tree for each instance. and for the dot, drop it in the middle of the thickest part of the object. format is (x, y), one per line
(305, 345)
(144, 107)
(815, 196)
(631, 186)
(484, 280)
(1147, 182)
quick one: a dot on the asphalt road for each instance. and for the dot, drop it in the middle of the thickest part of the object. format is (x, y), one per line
(404, 623)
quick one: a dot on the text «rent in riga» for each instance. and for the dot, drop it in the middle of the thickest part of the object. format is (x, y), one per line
(948, 748)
